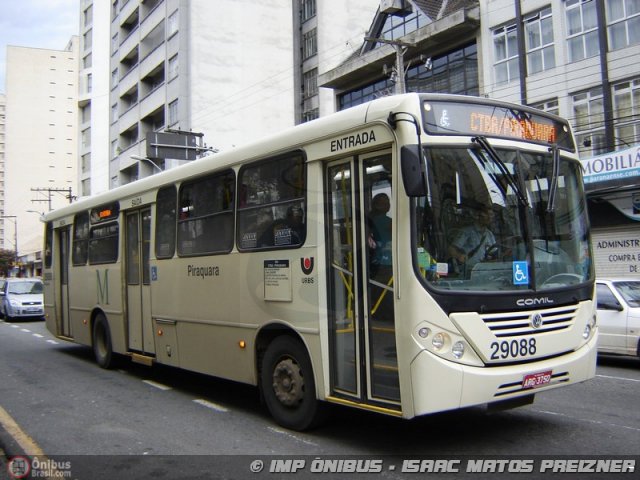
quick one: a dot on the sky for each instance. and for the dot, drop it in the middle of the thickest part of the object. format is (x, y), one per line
(36, 23)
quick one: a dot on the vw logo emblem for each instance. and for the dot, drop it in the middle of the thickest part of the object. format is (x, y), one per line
(536, 320)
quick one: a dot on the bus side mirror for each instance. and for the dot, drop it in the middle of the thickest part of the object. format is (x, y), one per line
(412, 168)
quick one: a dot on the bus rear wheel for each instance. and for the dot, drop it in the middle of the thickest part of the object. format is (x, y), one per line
(287, 384)
(102, 349)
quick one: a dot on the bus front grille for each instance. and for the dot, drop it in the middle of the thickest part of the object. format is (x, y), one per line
(524, 323)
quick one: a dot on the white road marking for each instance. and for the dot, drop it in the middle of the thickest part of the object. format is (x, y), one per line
(37, 335)
(52, 342)
(157, 385)
(293, 437)
(211, 405)
(595, 422)
(25, 330)
(619, 378)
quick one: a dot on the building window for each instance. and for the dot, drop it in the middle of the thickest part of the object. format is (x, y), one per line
(88, 16)
(86, 61)
(86, 137)
(582, 25)
(454, 72)
(309, 43)
(86, 40)
(550, 106)
(623, 19)
(114, 78)
(310, 115)
(539, 41)
(310, 80)
(173, 112)
(89, 83)
(396, 27)
(114, 44)
(115, 150)
(588, 121)
(307, 9)
(173, 67)
(505, 48)
(626, 110)
(172, 24)
(114, 113)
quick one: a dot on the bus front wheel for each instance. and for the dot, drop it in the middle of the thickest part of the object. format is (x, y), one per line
(102, 349)
(287, 384)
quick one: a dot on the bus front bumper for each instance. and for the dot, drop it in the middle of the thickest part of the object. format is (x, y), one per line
(440, 385)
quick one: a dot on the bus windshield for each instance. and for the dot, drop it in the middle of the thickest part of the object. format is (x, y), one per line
(495, 220)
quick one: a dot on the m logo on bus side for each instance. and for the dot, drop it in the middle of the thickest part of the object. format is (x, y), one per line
(307, 265)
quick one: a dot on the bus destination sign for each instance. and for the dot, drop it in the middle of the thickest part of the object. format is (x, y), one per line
(451, 118)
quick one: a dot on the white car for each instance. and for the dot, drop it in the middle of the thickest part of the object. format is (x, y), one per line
(618, 316)
(22, 298)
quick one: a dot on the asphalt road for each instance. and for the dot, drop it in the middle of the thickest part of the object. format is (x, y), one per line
(136, 421)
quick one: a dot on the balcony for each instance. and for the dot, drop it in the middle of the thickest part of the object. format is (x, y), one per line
(152, 20)
(152, 101)
(152, 61)
(130, 43)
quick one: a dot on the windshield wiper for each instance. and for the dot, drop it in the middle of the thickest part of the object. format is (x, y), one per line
(553, 188)
(493, 155)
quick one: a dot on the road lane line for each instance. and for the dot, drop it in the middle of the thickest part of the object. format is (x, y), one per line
(595, 422)
(25, 330)
(157, 385)
(211, 405)
(37, 335)
(294, 437)
(619, 378)
(52, 342)
(28, 445)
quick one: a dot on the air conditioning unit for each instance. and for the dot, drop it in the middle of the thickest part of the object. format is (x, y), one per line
(395, 7)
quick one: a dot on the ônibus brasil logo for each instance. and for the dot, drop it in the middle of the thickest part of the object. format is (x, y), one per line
(19, 467)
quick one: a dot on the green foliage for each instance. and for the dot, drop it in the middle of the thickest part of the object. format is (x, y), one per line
(7, 259)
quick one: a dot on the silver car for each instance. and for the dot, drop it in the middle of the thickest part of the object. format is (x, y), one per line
(619, 316)
(22, 298)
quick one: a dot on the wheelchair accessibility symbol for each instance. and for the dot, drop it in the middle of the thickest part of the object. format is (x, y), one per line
(520, 273)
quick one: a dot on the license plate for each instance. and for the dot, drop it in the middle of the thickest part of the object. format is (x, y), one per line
(534, 380)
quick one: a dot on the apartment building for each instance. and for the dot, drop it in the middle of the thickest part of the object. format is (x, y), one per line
(41, 126)
(3, 117)
(231, 70)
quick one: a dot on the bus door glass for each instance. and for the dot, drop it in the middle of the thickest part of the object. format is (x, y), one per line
(64, 237)
(138, 237)
(361, 311)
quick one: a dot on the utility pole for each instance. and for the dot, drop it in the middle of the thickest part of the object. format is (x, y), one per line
(49, 192)
(400, 48)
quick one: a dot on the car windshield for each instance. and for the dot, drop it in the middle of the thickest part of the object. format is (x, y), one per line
(23, 288)
(495, 221)
(630, 291)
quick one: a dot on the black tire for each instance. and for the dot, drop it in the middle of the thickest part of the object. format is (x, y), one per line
(287, 384)
(102, 349)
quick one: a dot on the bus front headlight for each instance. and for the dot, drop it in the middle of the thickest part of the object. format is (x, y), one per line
(458, 349)
(439, 340)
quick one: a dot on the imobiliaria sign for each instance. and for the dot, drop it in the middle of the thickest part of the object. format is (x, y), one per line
(612, 166)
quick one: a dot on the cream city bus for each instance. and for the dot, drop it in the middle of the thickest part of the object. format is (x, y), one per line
(334, 262)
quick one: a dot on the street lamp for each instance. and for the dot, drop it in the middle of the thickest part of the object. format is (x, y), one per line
(145, 159)
(15, 235)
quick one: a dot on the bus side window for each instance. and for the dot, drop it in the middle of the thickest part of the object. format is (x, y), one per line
(166, 222)
(205, 225)
(271, 210)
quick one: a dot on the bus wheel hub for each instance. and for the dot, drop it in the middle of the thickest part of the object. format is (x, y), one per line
(288, 384)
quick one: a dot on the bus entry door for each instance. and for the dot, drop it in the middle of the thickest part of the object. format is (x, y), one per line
(65, 318)
(138, 239)
(361, 290)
